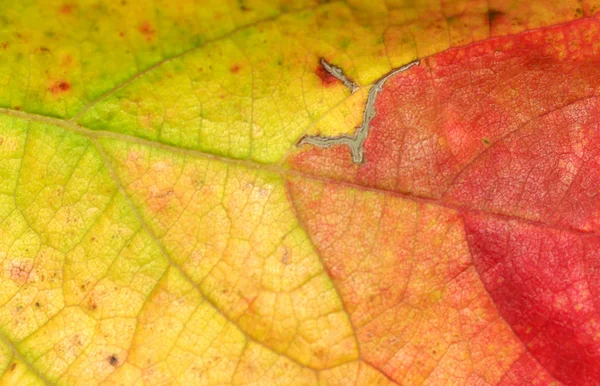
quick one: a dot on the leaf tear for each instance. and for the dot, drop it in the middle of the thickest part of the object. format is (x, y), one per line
(337, 73)
(357, 140)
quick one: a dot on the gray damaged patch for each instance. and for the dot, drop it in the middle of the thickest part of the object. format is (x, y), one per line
(357, 140)
(338, 73)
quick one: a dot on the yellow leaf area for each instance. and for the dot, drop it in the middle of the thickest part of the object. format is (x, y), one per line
(149, 235)
(231, 77)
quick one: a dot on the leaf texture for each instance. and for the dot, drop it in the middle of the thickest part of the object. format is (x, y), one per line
(159, 226)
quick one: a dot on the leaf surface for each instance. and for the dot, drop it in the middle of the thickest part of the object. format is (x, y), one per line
(158, 226)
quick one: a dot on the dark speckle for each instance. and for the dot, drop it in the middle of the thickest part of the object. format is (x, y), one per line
(64, 86)
(494, 15)
(113, 360)
(243, 6)
(59, 87)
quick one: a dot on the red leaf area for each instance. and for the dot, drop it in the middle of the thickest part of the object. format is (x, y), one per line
(496, 144)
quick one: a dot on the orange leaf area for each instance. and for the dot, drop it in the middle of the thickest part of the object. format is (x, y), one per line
(404, 272)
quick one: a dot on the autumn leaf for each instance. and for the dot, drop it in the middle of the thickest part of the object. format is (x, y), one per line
(160, 225)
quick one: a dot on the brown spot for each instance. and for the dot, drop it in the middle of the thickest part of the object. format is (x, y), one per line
(4, 45)
(37, 304)
(243, 6)
(113, 360)
(60, 86)
(319, 353)
(84, 287)
(77, 340)
(64, 86)
(494, 15)
(92, 303)
(122, 34)
(146, 29)
(235, 68)
(13, 366)
(66, 9)
(327, 79)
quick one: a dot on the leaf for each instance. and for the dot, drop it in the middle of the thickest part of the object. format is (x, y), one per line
(159, 226)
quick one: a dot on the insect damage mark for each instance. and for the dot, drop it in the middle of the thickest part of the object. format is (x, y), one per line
(357, 140)
(329, 73)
